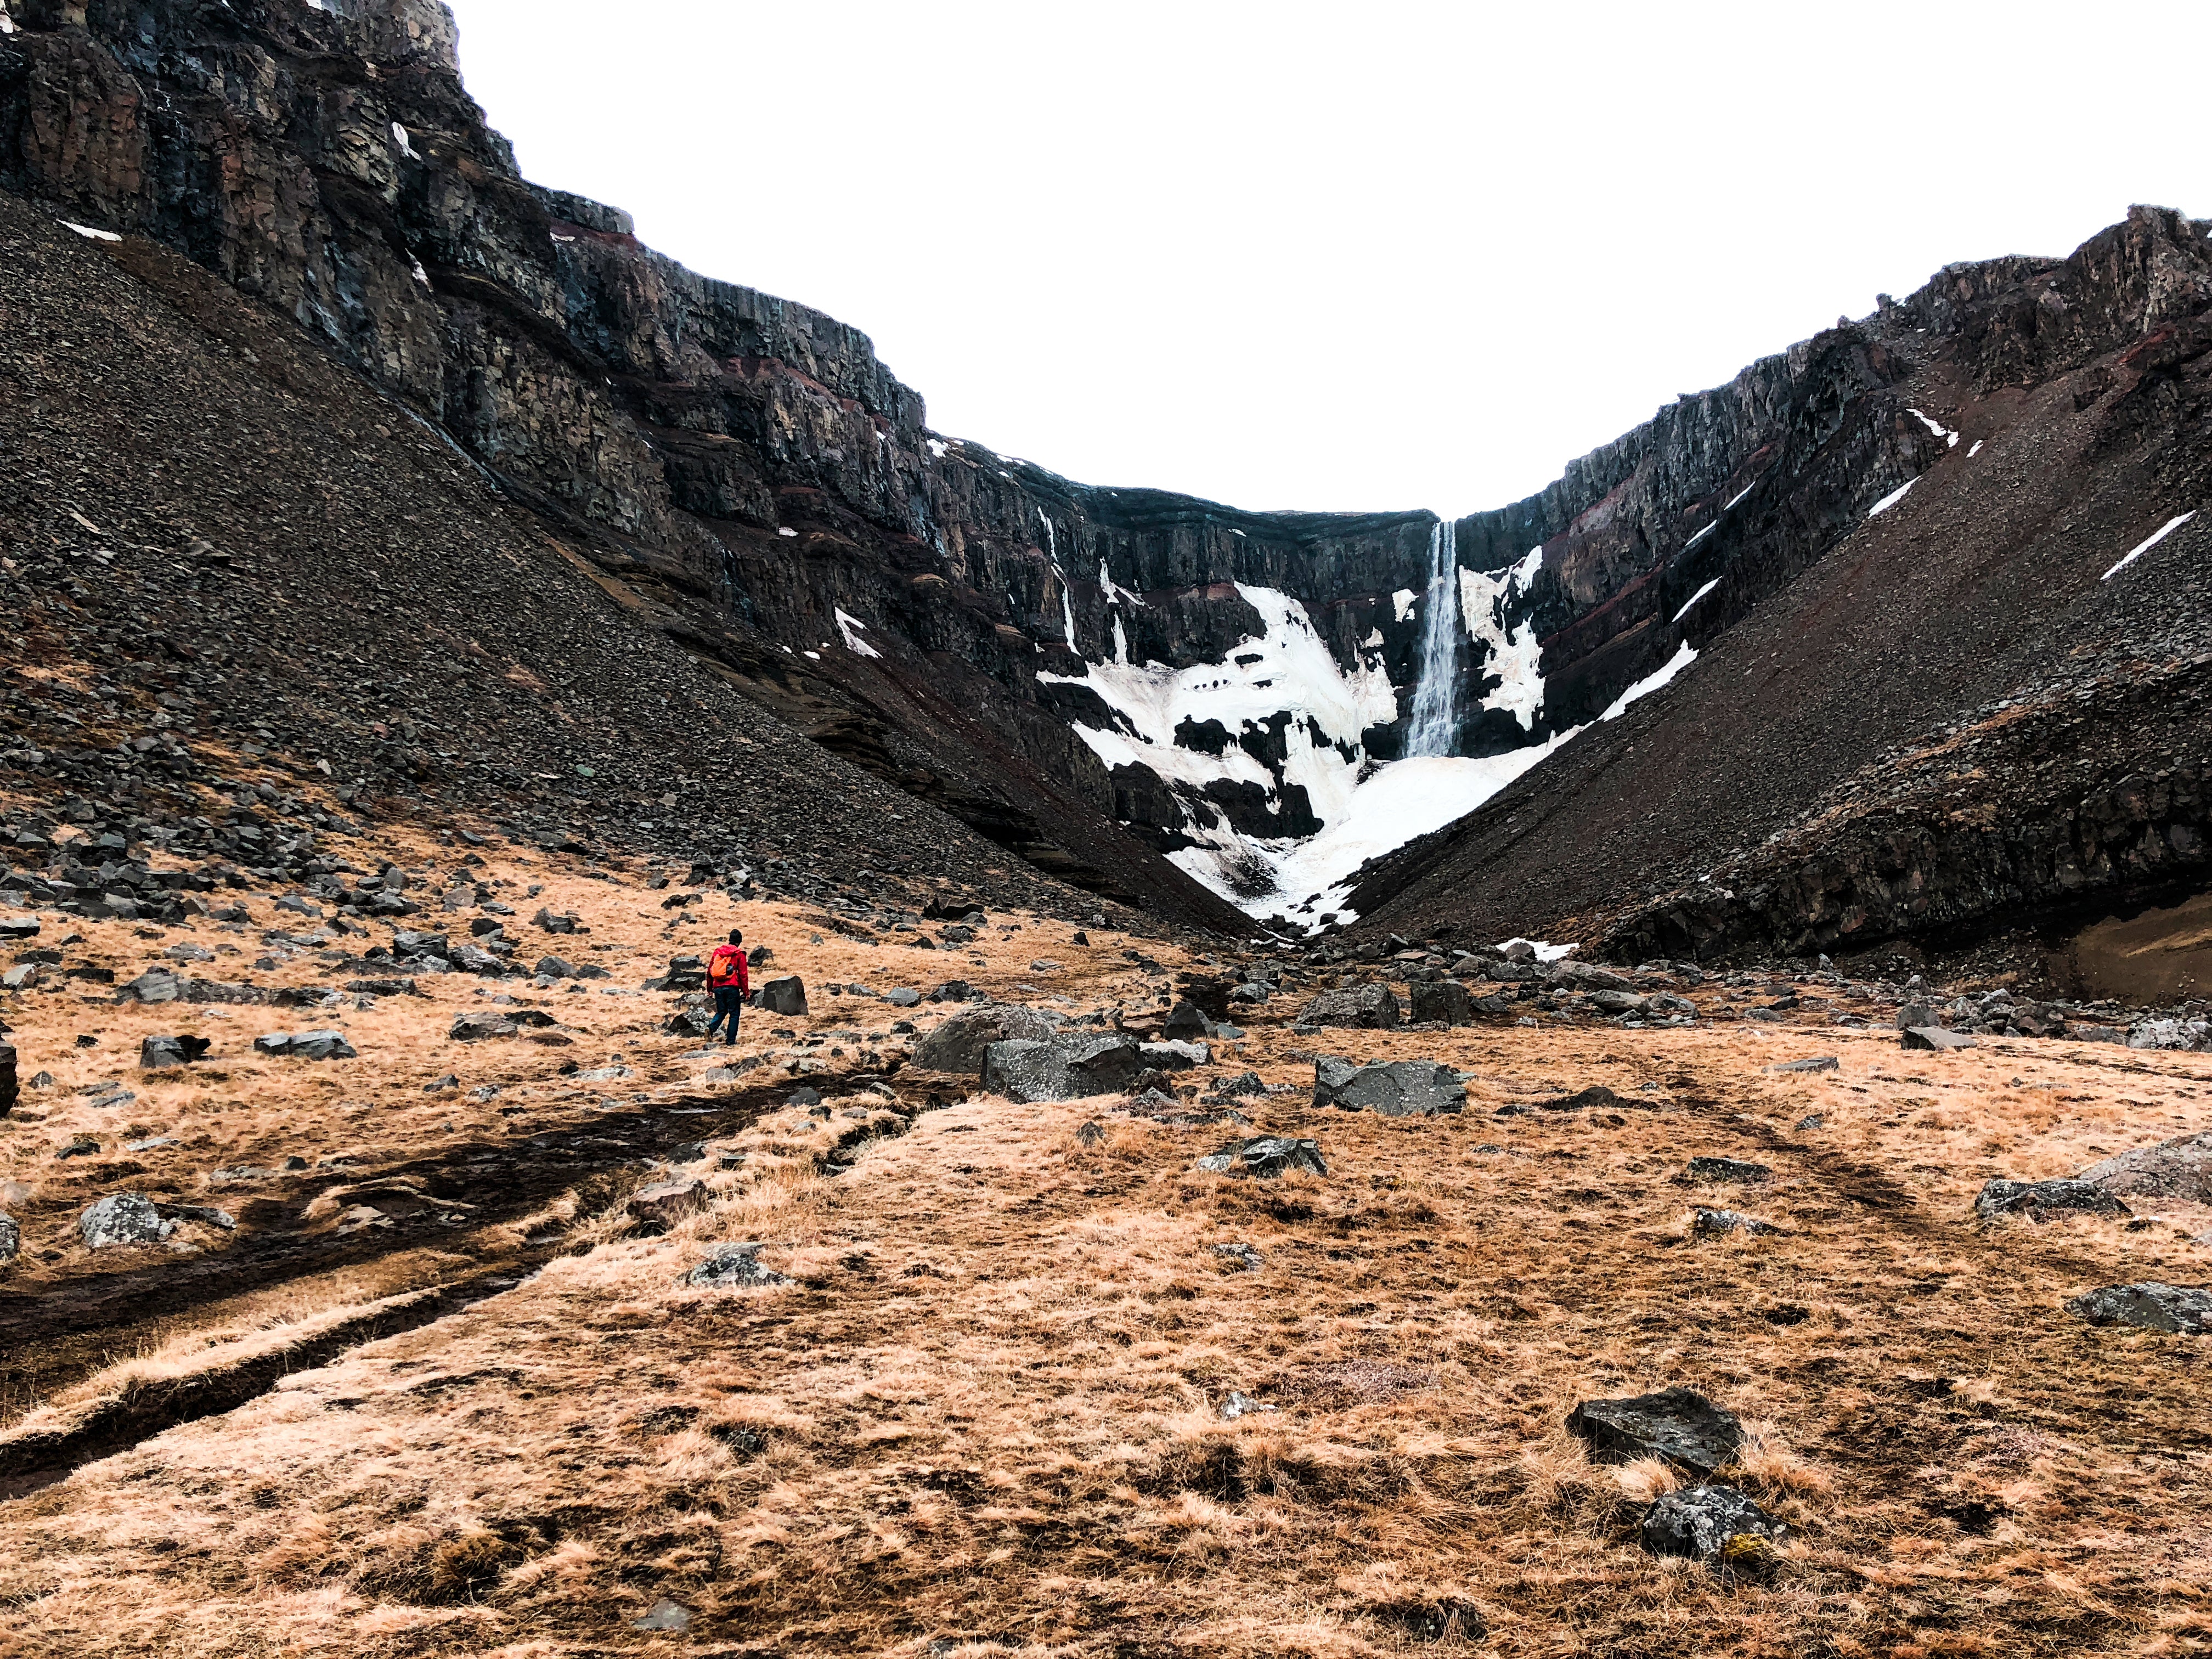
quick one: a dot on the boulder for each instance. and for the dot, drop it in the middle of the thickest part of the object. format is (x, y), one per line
(667, 1202)
(1185, 1020)
(1443, 1002)
(1726, 1169)
(1677, 1423)
(554, 968)
(2176, 1310)
(960, 1043)
(2172, 1169)
(732, 1267)
(11, 1090)
(11, 1239)
(475, 1028)
(1697, 1521)
(1619, 1002)
(1354, 1007)
(1914, 1014)
(1244, 1082)
(1265, 1157)
(2039, 1200)
(2171, 1034)
(905, 997)
(122, 1219)
(1581, 976)
(1175, 1056)
(13, 928)
(953, 990)
(1402, 1088)
(2096, 1034)
(787, 995)
(408, 943)
(164, 1054)
(1064, 1068)
(1932, 1036)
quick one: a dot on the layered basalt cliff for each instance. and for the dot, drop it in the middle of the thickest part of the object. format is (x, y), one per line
(1129, 689)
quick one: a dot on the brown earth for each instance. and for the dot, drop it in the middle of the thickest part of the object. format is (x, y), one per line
(987, 1412)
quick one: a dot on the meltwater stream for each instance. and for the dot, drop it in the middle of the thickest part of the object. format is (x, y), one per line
(1433, 728)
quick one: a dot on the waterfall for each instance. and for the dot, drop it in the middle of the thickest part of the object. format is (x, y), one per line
(1434, 726)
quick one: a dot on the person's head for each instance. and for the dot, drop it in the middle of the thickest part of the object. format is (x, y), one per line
(735, 938)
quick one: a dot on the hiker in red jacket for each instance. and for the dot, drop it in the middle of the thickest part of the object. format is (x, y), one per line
(727, 976)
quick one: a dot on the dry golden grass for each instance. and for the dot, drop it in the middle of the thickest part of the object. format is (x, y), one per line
(988, 1411)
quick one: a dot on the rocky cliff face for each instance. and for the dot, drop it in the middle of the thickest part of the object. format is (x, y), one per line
(1101, 681)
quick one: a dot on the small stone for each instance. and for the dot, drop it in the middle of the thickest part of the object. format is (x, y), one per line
(163, 1054)
(1726, 1169)
(1677, 1423)
(475, 1028)
(2039, 1200)
(1237, 1258)
(1699, 1521)
(733, 1266)
(122, 1219)
(1093, 1134)
(665, 1615)
(667, 1202)
(1596, 1098)
(11, 1239)
(1265, 1157)
(1714, 1224)
(1932, 1037)
(1238, 1405)
(2177, 1309)
(1822, 1063)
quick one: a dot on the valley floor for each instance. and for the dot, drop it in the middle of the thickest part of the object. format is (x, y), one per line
(437, 1394)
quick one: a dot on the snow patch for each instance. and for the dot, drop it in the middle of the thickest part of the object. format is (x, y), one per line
(850, 627)
(399, 138)
(1695, 597)
(421, 275)
(1513, 657)
(90, 233)
(1683, 656)
(1976, 450)
(1701, 535)
(1950, 438)
(1738, 501)
(1546, 951)
(784, 530)
(811, 656)
(1890, 500)
(936, 446)
(1115, 594)
(1403, 600)
(2149, 543)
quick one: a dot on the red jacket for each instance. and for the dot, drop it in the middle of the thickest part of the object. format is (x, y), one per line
(728, 967)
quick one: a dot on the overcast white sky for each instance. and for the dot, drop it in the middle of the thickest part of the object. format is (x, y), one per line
(1353, 255)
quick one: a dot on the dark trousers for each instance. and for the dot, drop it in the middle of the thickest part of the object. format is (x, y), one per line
(728, 999)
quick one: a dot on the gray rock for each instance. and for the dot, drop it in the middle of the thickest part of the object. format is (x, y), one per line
(1932, 1036)
(1244, 1082)
(11, 1092)
(1064, 1068)
(1619, 1002)
(1238, 1405)
(12, 928)
(1581, 976)
(2176, 1310)
(207, 1214)
(1237, 1258)
(305, 1045)
(2096, 1034)
(1401, 1088)
(2170, 1034)
(11, 1239)
(1093, 1134)
(1677, 1423)
(1186, 1020)
(408, 943)
(1354, 1007)
(1716, 1223)
(665, 1615)
(905, 997)
(554, 968)
(164, 1054)
(732, 1267)
(122, 1219)
(667, 1202)
(1822, 1063)
(2038, 1201)
(1265, 1157)
(2172, 1169)
(953, 990)
(1596, 1098)
(155, 985)
(1697, 1521)
(1915, 1014)
(1441, 1002)
(960, 1043)
(787, 995)
(475, 1028)
(552, 923)
(1175, 1056)
(1727, 1169)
